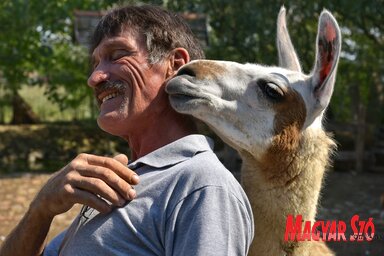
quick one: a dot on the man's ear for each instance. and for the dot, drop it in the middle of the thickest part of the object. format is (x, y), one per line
(178, 57)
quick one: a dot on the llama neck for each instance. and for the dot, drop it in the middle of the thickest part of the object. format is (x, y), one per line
(296, 171)
(286, 180)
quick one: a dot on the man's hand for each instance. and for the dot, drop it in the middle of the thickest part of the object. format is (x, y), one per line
(90, 180)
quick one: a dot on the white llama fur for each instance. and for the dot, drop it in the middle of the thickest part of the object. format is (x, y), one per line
(272, 117)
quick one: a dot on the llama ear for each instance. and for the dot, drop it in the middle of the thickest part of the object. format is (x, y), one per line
(327, 57)
(287, 55)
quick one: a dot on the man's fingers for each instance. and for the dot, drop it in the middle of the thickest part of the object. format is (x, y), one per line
(121, 158)
(99, 187)
(110, 178)
(91, 200)
(120, 169)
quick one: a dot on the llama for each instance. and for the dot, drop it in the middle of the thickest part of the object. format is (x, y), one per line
(273, 117)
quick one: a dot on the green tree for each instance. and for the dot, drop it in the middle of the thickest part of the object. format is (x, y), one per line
(37, 48)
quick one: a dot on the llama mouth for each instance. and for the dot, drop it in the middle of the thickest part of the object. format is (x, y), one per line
(180, 100)
(183, 95)
(179, 87)
(186, 103)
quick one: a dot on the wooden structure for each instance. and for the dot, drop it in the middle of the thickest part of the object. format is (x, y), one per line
(85, 23)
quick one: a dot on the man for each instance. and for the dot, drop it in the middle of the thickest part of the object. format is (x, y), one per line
(184, 202)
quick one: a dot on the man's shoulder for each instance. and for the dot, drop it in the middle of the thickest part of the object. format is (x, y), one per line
(205, 169)
(205, 163)
(205, 179)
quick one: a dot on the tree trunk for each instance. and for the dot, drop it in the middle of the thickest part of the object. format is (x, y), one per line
(22, 111)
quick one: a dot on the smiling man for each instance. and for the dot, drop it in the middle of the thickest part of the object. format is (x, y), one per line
(184, 201)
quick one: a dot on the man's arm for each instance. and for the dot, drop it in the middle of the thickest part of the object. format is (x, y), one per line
(28, 238)
(99, 182)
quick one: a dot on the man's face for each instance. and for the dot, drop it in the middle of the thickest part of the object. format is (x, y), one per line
(130, 92)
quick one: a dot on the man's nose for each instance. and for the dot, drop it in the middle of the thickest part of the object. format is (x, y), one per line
(99, 74)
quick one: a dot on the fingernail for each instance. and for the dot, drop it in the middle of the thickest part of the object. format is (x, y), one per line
(135, 179)
(131, 194)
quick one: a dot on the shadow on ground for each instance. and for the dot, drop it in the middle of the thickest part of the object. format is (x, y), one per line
(346, 194)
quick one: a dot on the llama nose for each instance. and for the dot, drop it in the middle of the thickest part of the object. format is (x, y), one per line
(186, 71)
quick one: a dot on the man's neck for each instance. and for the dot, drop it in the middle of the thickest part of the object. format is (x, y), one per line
(161, 133)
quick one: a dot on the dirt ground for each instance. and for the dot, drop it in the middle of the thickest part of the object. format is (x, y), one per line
(344, 195)
(16, 192)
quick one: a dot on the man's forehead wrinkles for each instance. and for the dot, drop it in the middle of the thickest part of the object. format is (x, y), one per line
(113, 43)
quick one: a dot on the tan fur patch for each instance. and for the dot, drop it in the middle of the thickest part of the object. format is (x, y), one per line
(206, 69)
(289, 120)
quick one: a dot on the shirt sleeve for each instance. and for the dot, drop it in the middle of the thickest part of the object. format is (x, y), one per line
(209, 221)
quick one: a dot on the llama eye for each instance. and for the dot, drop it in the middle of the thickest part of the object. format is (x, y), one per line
(271, 90)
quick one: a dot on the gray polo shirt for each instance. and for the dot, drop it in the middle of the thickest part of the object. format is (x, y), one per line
(187, 203)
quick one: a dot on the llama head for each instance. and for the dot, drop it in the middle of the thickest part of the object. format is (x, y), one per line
(250, 105)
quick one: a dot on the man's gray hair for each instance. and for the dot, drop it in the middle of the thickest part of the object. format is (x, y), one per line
(161, 30)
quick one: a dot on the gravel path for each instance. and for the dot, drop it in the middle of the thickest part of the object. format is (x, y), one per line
(16, 192)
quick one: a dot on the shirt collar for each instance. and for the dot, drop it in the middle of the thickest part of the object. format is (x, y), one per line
(175, 152)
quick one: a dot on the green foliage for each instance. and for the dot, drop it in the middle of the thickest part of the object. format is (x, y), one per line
(37, 45)
(235, 32)
(66, 74)
(47, 148)
(361, 70)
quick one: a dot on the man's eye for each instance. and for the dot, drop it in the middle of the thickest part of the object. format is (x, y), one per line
(118, 54)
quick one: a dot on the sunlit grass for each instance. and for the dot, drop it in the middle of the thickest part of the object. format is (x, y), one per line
(45, 109)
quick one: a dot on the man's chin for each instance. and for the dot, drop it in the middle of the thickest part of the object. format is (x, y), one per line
(109, 123)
